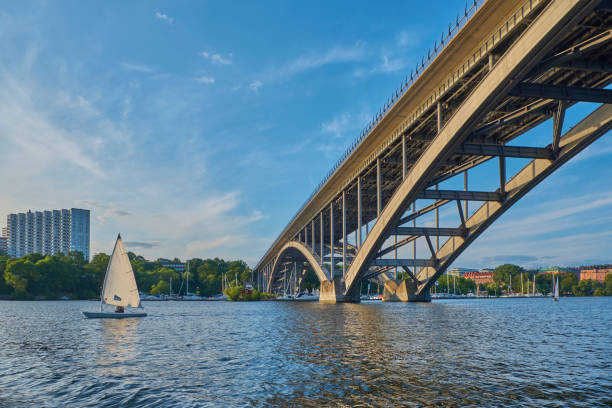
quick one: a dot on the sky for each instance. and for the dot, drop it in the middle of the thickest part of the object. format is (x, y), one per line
(198, 128)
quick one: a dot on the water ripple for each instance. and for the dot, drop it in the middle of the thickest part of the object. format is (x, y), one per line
(511, 352)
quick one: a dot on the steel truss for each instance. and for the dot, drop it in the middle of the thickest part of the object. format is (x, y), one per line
(560, 54)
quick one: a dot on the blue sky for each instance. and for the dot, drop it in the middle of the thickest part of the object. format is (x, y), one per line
(196, 129)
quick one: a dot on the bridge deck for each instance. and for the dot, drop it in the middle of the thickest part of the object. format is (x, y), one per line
(561, 56)
(485, 22)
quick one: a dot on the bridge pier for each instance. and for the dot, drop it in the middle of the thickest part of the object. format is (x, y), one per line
(403, 291)
(333, 292)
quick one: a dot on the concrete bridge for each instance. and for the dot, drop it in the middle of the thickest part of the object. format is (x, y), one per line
(505, 68)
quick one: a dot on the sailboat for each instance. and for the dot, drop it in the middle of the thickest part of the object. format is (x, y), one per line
(119, 287)
(556, 293)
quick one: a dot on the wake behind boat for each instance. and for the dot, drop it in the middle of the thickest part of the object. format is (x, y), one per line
(119, 289)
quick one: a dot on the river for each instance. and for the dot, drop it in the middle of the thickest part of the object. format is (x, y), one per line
(513, 352)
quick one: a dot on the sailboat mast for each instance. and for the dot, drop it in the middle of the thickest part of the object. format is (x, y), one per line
(187, 290)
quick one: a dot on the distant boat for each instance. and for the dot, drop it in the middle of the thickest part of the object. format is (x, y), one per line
(556, 293)
(119, 288)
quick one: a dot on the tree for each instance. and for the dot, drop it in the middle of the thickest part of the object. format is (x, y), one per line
(544, 283)
(567, 282)
(77, 258)
(586, 287)
(310, 281)
(492, 289)
(5, 289)
(504, 273)
(18, 274)
(608, 285)
(161, 288)
(233, 293)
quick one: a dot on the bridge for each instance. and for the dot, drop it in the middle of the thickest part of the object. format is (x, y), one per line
(505, 67)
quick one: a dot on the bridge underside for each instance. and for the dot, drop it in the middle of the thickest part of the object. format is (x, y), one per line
(366, 220)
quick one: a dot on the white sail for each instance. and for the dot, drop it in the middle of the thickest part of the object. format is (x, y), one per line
(557, 288)
(119, 283)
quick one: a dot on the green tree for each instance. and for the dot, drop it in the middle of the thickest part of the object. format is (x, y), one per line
(5, 289)
(544, 283)
(18, 274)
(503, 274)
(586, 287)
(567, 282)
(77, 258)
(234, 293)
(608, 285)
(493, 289)
(161, 288)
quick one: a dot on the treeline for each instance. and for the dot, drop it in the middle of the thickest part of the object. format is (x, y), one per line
(509, 276)
(54, 276)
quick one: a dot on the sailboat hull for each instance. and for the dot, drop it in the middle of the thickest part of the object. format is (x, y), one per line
(113, 315)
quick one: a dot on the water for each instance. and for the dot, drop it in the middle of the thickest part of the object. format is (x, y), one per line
(521, 352)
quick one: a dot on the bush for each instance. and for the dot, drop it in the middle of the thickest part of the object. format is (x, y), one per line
(234, 293)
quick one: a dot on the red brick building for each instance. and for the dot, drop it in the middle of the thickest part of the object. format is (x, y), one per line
(481, 278)
(596, 273)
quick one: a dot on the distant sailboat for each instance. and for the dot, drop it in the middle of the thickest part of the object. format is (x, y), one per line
(556, 294)
(119, 288)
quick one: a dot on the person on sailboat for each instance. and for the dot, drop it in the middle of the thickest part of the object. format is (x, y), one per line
(119, 309)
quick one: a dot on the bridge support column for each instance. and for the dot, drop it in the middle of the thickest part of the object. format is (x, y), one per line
(403, 291)
(333, 292)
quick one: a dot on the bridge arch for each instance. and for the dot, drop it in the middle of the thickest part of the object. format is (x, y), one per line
(516, 63)
(595, 125)
(296, 247)
(529, 68)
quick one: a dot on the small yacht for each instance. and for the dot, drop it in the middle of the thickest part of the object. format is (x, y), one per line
(119, 289)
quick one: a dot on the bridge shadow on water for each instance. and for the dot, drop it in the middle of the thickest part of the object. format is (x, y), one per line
(480, 352)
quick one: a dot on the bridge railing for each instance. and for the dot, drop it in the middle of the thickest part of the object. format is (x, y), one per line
(445, 38)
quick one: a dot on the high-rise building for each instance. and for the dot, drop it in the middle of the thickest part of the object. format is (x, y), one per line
(48, 232)
(3, 245)
(4, 242)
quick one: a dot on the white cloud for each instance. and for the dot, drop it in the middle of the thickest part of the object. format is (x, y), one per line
(255, 85)
(407, 39)
(335, 55)
(387, 65)
(137, 67)
(206, 80)
(338, 125)
(217, 58)
(26, 125)
(164, 17)
(344, 127)
(392, 65)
